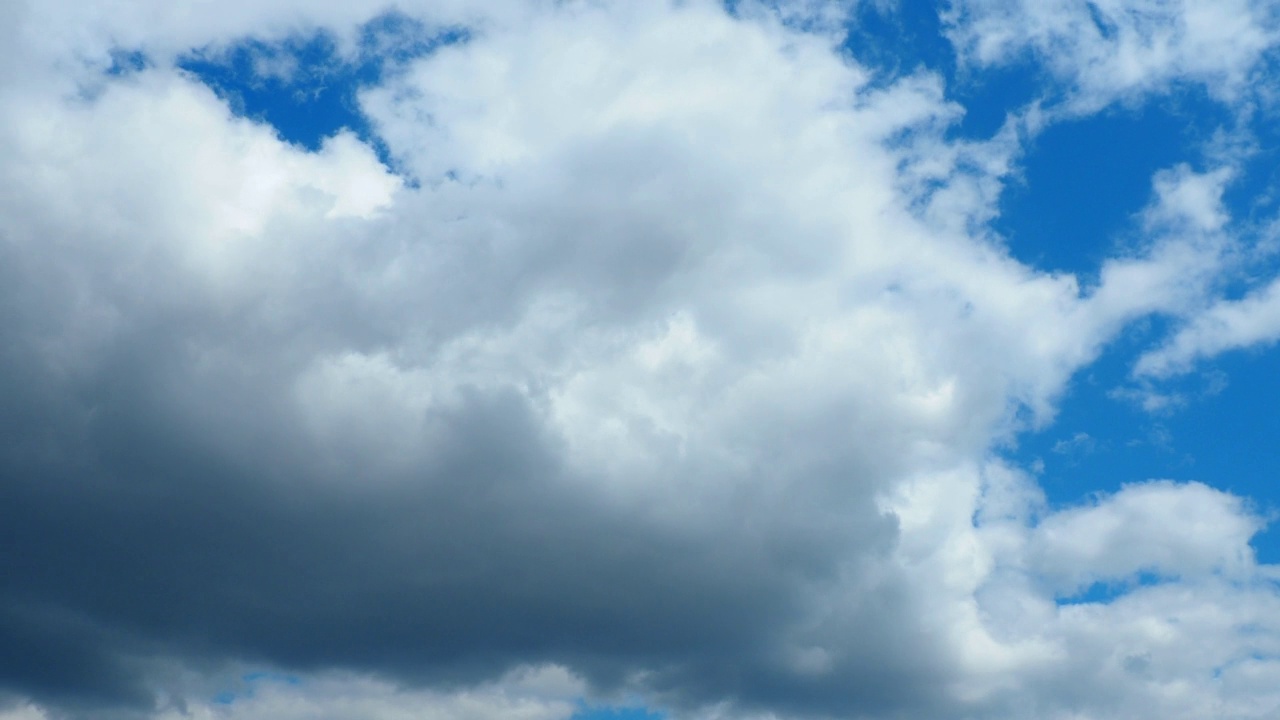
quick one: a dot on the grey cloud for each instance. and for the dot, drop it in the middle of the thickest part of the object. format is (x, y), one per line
(236, 431)
(162, 500)
(151, 532)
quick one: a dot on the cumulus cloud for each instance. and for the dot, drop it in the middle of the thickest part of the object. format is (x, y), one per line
(1158, 528)
(674, 364)
(1120, 50)
(1189, 205)
(1181, 575)
(1225, 325)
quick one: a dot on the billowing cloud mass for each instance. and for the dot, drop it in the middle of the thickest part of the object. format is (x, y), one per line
(654, 352)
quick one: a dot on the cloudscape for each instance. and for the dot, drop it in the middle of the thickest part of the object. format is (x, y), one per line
(639, 359)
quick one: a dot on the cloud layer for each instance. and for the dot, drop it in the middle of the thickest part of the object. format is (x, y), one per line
(674, 364)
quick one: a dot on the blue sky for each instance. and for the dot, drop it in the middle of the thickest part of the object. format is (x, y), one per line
(623, 361)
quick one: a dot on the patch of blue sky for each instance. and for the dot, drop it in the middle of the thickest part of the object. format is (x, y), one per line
(1227, 432)
(275, 677)
(300, 87)
(305, 87)
(588, 711)
(1253, 198)
(249, 682)
(126, 62)
(1098, 441)
(1076, 203)
(1104, 592)
(1255, 195)
(1084, 181)
(908, 37)
(1257, 656)
(900, 39)
(1220, 417)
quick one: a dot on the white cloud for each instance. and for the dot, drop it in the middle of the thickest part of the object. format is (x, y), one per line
(1225, 325)
(1178, 531)
(532, 694)
(1120, 50)
(1186, 646)
(1188, 208)
(542, 693)
(1080, 442)
(24, 711)
(1190, 245)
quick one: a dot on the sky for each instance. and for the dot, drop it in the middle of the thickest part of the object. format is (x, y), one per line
(620, 360)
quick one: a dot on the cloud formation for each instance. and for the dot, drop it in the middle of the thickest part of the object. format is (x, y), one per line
(1226, 325)
(1120, 50)
(675, 362)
